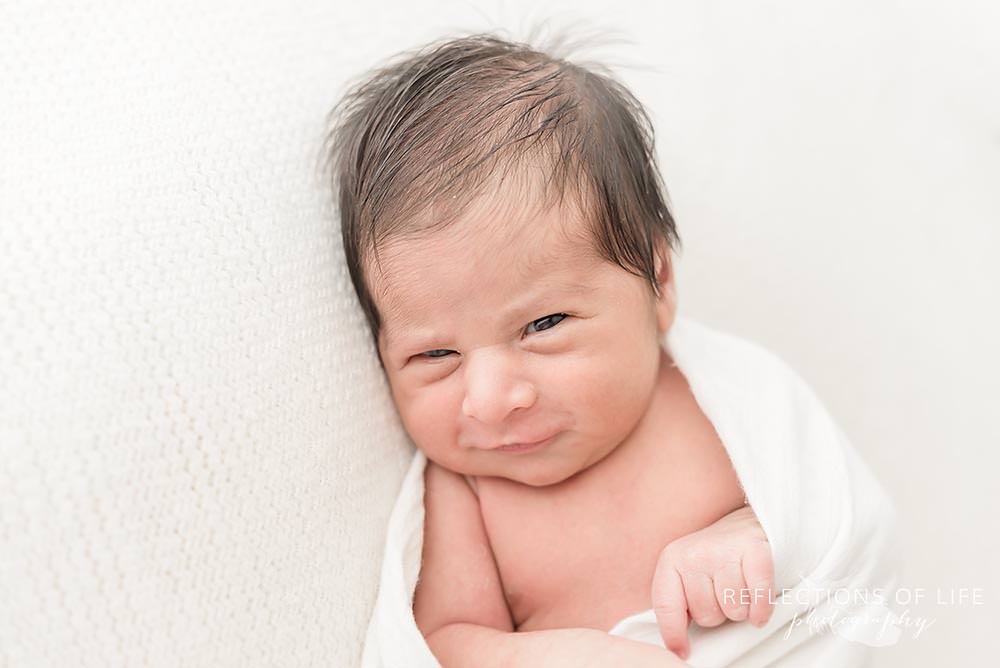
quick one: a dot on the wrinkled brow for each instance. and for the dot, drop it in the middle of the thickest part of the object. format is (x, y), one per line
(518, 309)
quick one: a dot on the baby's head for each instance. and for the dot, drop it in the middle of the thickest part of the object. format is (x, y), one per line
(508, 235)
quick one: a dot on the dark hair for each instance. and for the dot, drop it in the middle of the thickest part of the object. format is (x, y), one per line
(416, 141)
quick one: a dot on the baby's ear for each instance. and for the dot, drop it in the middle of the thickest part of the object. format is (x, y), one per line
(666, 302)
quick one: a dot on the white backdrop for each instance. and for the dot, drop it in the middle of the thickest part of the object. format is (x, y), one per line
(199, 457)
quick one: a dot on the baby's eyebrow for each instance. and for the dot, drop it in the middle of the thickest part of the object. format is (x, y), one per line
(520, 310)
(390, 339)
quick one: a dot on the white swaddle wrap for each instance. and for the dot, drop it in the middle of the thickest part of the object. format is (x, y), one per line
(829, 523)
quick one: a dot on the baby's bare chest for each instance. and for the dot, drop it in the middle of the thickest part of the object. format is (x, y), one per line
(585, 556)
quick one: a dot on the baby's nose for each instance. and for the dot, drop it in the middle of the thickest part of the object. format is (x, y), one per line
(494, 387)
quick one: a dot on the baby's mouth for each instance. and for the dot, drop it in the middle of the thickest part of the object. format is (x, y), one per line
(525, 447)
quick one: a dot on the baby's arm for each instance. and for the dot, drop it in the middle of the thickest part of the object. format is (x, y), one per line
(461, 610)
(723, 571)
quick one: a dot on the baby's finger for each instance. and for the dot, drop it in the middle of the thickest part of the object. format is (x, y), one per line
(730, 591)
(670, 608)
(758, 570)
(700, 593)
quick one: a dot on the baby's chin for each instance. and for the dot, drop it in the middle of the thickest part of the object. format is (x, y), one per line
(543, 479)
(533, 474)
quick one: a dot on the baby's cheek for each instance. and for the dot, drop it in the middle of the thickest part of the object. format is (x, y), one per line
(589, 384)
(609, 395)
(429, 419)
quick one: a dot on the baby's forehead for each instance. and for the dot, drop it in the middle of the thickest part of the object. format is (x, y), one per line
(515, 245)
(498, 260)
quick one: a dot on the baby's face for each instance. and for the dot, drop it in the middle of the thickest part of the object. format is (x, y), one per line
(516, 335)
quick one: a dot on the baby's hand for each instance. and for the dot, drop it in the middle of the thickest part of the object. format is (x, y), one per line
(722, 571)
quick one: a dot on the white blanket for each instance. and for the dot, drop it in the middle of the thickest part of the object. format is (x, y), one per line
(829, 523)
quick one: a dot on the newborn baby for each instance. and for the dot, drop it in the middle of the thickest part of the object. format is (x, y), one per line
(508, 237)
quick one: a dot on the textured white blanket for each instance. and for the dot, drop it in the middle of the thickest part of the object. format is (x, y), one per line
(829, 523)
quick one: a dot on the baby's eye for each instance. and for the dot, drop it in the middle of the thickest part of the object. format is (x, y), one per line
(548, 322)
(540, 325)
(436, 353)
